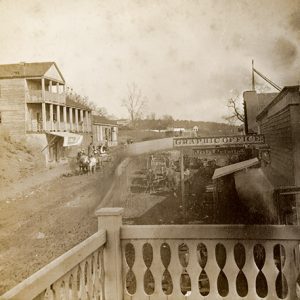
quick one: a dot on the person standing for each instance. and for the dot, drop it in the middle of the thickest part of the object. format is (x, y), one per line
(90, 149)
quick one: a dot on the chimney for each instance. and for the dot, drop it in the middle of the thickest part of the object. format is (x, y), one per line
(22, 64)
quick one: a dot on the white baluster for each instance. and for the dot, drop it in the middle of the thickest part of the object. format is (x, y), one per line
(157, 270)
(250, 269)
(82, 290)
(175, 270)
(125, 270)
(269, 269)
(289, 269)
(139, 269)
(231, 269)
(212, 269)
(89, 285)
(193, 269)
(74, 284)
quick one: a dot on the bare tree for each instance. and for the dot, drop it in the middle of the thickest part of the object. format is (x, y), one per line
(101, 111)
(135, 103)
(235, 112)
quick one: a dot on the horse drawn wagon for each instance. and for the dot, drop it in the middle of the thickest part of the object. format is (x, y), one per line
(96, 160)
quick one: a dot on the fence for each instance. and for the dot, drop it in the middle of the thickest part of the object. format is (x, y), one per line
(171, 262)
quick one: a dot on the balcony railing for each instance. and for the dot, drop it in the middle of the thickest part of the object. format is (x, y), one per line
(171, 262)
(37, 127)
(35, 96)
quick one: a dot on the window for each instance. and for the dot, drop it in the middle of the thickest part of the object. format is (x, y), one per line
(0, 117)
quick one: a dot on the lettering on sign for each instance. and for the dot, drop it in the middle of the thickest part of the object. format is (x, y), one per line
(219, 140)
(222, 151)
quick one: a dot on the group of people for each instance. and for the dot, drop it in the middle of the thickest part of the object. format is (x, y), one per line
(96, 150)
(161, 174)
(94, 156)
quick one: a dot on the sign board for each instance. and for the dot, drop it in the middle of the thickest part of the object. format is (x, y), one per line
(219, 151)
(181, 142)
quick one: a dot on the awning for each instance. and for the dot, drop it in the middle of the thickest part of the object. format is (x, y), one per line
(70, 139)
(220, 172)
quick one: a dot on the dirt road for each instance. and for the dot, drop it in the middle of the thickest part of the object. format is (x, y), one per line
(39, 223)
(46, 221)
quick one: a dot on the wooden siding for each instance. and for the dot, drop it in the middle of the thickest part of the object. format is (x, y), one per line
(12, 105)
(295, 116)
(278, 135)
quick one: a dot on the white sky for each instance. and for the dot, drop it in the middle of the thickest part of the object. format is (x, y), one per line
(186, 56)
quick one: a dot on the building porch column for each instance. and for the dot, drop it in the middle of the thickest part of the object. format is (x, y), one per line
(44, 116)
(58, 117)
(76, 120)
(81, 120)
(51, 118)
(71, 118)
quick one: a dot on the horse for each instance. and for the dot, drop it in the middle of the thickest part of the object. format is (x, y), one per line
(83, 161)
(92, 164)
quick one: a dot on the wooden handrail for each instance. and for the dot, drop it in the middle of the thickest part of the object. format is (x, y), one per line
(220, 232)
(42, 279)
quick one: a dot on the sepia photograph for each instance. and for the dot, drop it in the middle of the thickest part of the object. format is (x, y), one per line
(149, 149)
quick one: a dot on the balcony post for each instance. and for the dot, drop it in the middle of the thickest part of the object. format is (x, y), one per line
(101, 133)
(110, 219)
(65, 117)
(43, 89)
(76, 119)
(57, 88)
(50, 86)
(81, 120)
(71, 118)
(114, 134)
(51, 117)
(87, 120)
(58, 117)
(44, 123)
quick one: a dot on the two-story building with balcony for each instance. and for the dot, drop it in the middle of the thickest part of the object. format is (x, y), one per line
(34, 104)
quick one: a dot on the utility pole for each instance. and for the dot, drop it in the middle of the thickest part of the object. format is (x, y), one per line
(244, 103)
(253, 82)
(245, 118)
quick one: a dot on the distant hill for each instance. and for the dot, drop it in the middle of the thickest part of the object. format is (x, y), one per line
(205, 128)
(155, 129)
(208, 128)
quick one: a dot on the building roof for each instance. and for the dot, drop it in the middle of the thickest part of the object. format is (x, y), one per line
(220, 172)
(72, 103)
(277, 98)
(264, 99)
(103, 120)
(25, 70)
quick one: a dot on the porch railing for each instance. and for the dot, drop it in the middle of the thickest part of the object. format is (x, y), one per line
(36, 96)
(210, 262)
(77, 274)
(171, 262)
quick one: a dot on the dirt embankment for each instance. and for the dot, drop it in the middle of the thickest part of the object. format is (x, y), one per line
(17, 160)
